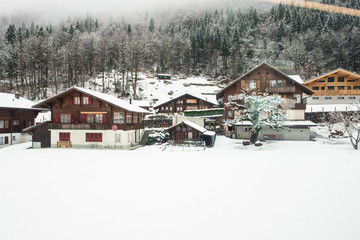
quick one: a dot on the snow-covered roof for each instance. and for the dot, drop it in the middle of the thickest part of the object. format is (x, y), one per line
(141, 103)
(285, 123)
(105, 97)
(8, 100)
(297, 78)
(196, 127)
(179, 96)
(330, 107)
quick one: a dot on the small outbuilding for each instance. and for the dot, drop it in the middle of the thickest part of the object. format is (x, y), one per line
(189, 131)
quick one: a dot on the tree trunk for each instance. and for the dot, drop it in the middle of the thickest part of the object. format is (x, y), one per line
(254, 135)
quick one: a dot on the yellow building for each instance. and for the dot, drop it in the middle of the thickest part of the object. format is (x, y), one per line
(337, 87)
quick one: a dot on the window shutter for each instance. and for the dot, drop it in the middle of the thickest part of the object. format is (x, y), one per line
(6, 140)
(242, 84)
(72, 118)
(83, 118)
(71, 100)
(104, 118)
(57, 118)
(90, 100)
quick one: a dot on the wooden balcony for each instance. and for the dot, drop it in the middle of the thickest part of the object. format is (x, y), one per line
(336, 92)
(283, 89)
(74, 126)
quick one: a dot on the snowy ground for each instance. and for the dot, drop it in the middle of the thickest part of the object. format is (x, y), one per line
(283, 190)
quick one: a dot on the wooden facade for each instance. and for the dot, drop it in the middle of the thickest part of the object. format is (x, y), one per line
(75, 109)
(15, 120)
(182, 103)
(337, 82)
(265, 78)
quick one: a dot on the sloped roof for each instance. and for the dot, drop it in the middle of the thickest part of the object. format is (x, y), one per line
(295, 79)
(8, 100)
(179, 96)
(102, 96)
(354, 75)
(194, 126)
(299, 123)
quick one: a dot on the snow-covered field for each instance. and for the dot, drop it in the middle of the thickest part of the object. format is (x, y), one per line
(283, 190)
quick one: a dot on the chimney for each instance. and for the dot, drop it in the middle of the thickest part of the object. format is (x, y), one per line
(17, 95)
(130, 101)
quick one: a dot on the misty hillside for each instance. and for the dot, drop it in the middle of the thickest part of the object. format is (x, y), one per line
(40, 59)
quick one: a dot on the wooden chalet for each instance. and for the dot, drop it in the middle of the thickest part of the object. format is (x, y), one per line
(84, 118)
(184, 102)
(187, 131)
(266, 78)
(16, 113)
(336, 87)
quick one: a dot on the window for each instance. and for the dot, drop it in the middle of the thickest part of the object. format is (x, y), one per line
(15, 122)
(352, 97)
(190, 136)
(349, 88)
(128, 118)
(190, 100)
(140, 118)
(14, 138)
(94, 137)
(2, 125)
(85, 100)
(315, 88)
(272, 83)
(340, 98)
(118, 117)
(341, 88)
(167, 108)
(170, 108)
(327, 98)
(179, 109)
(117, 137)
(99, 118)
(65, 118)
(331, 88)
(64, 137)
(298, 98)
(315, 98)
(230, 114)
(247, 129)
(340, 79)
(331, 79)
(250, 84)
(1, 140)
(191, 108)
(179, 102)
(350, 80)
(135, 118)
(280, 83)
(321, 81)
(77, 100)
(356, 88)
(90, 118)
(322, 88)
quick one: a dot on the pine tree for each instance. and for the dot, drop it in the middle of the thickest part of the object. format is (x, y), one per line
(151, 25)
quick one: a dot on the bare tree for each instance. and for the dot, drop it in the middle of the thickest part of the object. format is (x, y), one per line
(351, 122)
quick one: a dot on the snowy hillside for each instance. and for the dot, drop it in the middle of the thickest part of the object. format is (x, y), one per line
(155, 91)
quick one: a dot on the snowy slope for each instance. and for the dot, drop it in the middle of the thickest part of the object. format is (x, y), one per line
(277, 192)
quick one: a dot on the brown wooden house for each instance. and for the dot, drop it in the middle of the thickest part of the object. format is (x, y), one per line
(266, 78)
(16, 113)
(85, 118)
(184, 102)
(189, 131)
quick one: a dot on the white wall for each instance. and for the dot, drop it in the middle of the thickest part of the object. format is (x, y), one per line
(333, 100)
(295, 114)
(78, 138)
(17, 138)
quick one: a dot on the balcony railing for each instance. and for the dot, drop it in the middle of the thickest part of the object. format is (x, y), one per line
(284, 89)
(90, 126)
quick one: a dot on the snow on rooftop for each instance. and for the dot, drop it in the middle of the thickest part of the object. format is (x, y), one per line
(285, 123)
(141, 103)
(211, 100)
(297, 78)
(8, 100)
(113, 100)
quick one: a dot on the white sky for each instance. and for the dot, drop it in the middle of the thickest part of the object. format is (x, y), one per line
(60, 9)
